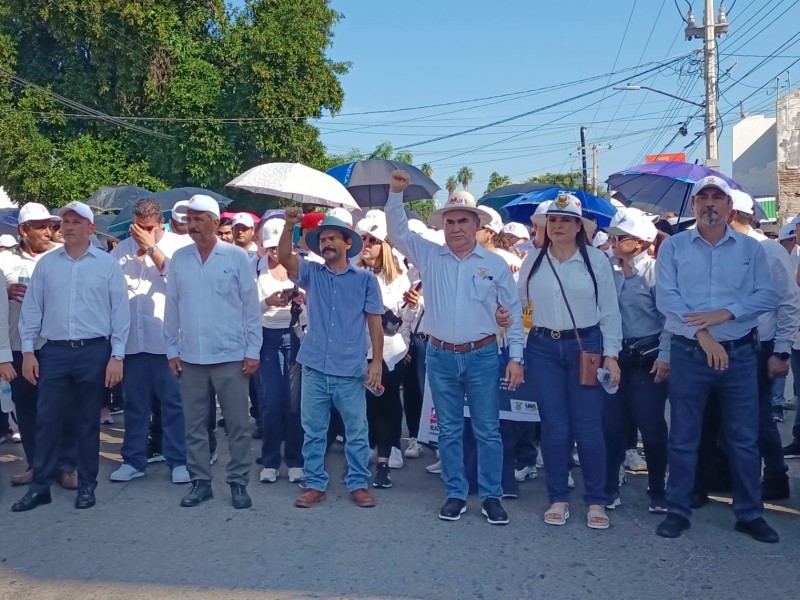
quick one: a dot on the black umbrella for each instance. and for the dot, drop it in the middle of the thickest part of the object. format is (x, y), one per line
(116, 197)
(368, 181)
(498, 198)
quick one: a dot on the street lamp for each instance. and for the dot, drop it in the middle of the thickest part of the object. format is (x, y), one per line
(636, 88)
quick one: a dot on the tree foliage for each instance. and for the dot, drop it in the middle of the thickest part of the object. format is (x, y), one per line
(464, 177)
(496, 181)
(572, 179)
(222, 89)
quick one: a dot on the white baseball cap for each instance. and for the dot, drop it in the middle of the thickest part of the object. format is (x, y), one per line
(33, 211)
(461, 200)
(541, 209)
(742, 202)
(786, 232)
(200, 203)
(375, 227)
(244, 219)
(711, 181)
(77, 207)
(176, 216)
(569, 205)
(342, 214)
(417, 226)
(600, 238)
(271, 232)
(7, 241)
(496, 224)
(633, 222)
(517, 230)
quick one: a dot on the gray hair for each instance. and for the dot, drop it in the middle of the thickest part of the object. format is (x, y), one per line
(146, 208)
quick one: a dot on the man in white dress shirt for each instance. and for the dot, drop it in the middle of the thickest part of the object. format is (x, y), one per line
(464, 286)
(76, 300)
(144, 258)
(212, 327)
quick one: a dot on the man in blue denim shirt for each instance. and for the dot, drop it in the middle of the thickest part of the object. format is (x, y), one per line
(712, 284)
(342, 302)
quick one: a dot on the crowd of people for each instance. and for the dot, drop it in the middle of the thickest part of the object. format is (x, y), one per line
(319, 328)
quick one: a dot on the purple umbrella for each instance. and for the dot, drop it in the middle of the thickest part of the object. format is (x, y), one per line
(664, 186)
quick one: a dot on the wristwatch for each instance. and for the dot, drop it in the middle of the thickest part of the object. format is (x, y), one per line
(119, 358)
(150, 251)
(782, 355)
(519, 360)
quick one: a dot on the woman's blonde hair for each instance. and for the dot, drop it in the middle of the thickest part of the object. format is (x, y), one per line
(389, 269)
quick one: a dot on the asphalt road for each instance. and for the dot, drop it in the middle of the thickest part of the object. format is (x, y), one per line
(137, 543)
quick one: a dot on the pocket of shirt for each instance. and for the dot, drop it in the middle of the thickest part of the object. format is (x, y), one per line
(481, 288)
(227, 284)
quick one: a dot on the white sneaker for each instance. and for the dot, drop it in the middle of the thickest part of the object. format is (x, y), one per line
(181, 475)
(296, 475)
(268, 476)
(570, 481)
(435, 468)
(525, 473)
(396, 459)
(613, 504)
(126, 473)
(414, 449)
(634, 461)
(575, 458)
(16, 437)
(214, 457)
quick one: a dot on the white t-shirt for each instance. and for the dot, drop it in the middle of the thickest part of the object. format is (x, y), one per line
(274, 317)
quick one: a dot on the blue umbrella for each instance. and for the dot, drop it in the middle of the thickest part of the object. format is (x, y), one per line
(594, 207)
(500, 197)
(368, 181)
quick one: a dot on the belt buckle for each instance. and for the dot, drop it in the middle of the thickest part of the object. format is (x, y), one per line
(76, 343)
(556, 335)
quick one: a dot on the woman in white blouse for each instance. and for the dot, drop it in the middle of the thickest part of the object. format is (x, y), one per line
(281, 316)
(570, 411)
(385, 413)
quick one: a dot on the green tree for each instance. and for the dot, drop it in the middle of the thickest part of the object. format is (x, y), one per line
(427, 169)
(464, 177)
(451, 184)
(422, 207)
(572, 179)
(496, 181)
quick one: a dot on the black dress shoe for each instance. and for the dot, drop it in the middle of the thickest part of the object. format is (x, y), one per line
(85, 497)
(673, 526)
(31, 500)
(758, 530)
(775, 489)
(494, 512)
(699, 499)
(200, 492)
(240, 497)
(453, 509)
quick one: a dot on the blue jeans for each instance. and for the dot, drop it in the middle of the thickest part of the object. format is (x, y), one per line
(475, 374)
(777, 392)
(280, 400)
(569, 411)
(737, 389)
(148, 377)
(347, 394)
(639, 401)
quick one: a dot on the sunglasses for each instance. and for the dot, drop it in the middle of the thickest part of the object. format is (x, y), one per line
(621, 238)
(369, 240)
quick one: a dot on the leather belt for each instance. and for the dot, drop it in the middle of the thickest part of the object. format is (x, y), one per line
(78, 343)
(461, 348)
(564, 334)
(750, 338)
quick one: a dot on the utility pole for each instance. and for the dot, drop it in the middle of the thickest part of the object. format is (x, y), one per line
(583, 159)
(595, 169)
(709, 33)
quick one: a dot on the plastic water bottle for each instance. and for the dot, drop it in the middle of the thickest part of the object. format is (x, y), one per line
(24, 276)
(604, 377)
(378, 391)
(6, 401)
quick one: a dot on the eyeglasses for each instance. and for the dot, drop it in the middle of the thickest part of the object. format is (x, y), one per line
(369, 240)
(621, 238)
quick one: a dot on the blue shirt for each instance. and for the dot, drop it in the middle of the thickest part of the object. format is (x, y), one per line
(76, 299)
(338, 303)
(694, 276)
(212, 314)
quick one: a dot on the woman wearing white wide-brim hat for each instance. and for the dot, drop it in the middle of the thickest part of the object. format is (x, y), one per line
(572, 290)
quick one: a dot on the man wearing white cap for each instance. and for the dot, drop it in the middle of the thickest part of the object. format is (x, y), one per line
(464, 286)
(35, 233)
(212, 327)
(776, 330)
(177, 222)
(77, 301)
(244, 228)
(144, 258)
(487, 235)
(712, 284)
(644, 361)
(7, 242)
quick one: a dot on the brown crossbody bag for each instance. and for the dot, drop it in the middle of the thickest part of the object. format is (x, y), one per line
(589, 361)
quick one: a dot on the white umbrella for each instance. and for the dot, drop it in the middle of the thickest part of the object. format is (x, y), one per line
(295, 182)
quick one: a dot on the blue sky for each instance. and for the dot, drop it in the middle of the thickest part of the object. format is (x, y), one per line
(414, 53)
